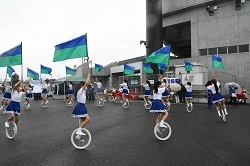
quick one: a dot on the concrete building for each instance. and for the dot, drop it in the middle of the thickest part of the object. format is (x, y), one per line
(196, 29)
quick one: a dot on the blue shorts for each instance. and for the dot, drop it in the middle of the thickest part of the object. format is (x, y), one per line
(99, 91)
(7, 95)
(29, 95)
(124, 91)
(80, 111)
(71, 92)
(157, 106)
(147, 93)
(188, 95)
(44, 91)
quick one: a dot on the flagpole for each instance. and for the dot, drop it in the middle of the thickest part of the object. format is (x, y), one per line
(22, 60)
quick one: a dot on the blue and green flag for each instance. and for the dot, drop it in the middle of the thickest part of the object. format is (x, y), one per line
(188, 66)
(10, 71)
(75, 48)
(161, 56)
(217, 62)
(45, 70)
(147, 68)
(162, 67)
(11, 57)
(32, 74)
(70, 71)
(129, 70)
(98, 68)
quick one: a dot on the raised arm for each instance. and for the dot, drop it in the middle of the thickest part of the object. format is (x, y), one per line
(215, 78)
(87, 81)
(17, 84)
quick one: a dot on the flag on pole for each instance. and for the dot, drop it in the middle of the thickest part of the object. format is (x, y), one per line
(70, 71)
(162, 67)
(129, 70)
(217, 62)
(75, 48)
(9, 71)
(45, 70)
(147, 68)
(160, 56)
(98, 68)
(32, 74)
(188, 66)
(11, 57)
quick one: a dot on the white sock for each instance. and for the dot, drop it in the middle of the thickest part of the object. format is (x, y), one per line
(161, 122)
(219, 113)
(191, 104)
(225, 111)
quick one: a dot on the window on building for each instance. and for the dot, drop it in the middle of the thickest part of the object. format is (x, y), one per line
(212, 51)
(203, 52)
(222, 50)
(244, 48)
(232, 49)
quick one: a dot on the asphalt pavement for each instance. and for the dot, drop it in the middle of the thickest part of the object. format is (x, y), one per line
(125, 136)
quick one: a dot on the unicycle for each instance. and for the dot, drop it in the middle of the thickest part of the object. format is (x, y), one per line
(4, 109)
(12, 130)
(162, 133)
(44, 104)
(189, 108)
(223, 114)
(70, 102)
(111, 98)
(125, 104)
(100, 102)
(167, 103)
(26, 105)
(147, 104)
(81, 141)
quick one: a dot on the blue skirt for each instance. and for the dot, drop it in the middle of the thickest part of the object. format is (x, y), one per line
(188, 95)
(44, 91)
(80, 111)
(70, 92)
(157, 106)
(165, 93)
(13, 107)
(147, 93)
(29, 95)
(7, 95)
(217, 97)
(99, 91)
(124, 91)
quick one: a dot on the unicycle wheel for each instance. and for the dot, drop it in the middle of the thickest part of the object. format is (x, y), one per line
(125, 104)
(81, 142)
(12, 130)
(162, 133)
(70, 102)
(147, 105)
(100, 102)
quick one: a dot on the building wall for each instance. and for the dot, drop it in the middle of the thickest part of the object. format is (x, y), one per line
(227, 27)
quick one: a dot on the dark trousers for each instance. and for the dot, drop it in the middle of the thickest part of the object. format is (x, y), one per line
(233, 101)
(91, 97)
(210, 101)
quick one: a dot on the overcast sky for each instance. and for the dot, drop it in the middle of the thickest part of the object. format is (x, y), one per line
(114, 29)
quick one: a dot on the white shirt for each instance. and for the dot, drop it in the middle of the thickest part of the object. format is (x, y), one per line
(188, 88)
(17, 97)
(124, 85)
(29, 90)
(99, 85)
(163, 84)
(70, 87)
(120, 89)
(81, 96)
(45, 86)
(158, 95)
(8, 88)
(212, 88)
(146, 86)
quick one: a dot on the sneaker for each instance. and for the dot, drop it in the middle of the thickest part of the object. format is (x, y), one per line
(163, 125)
(158, 130)
(4, 112)
(78, 136)
(79, 132)
(7, 124)
(220, 116)
(226, 113)
(46, 102)
(1, 107)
